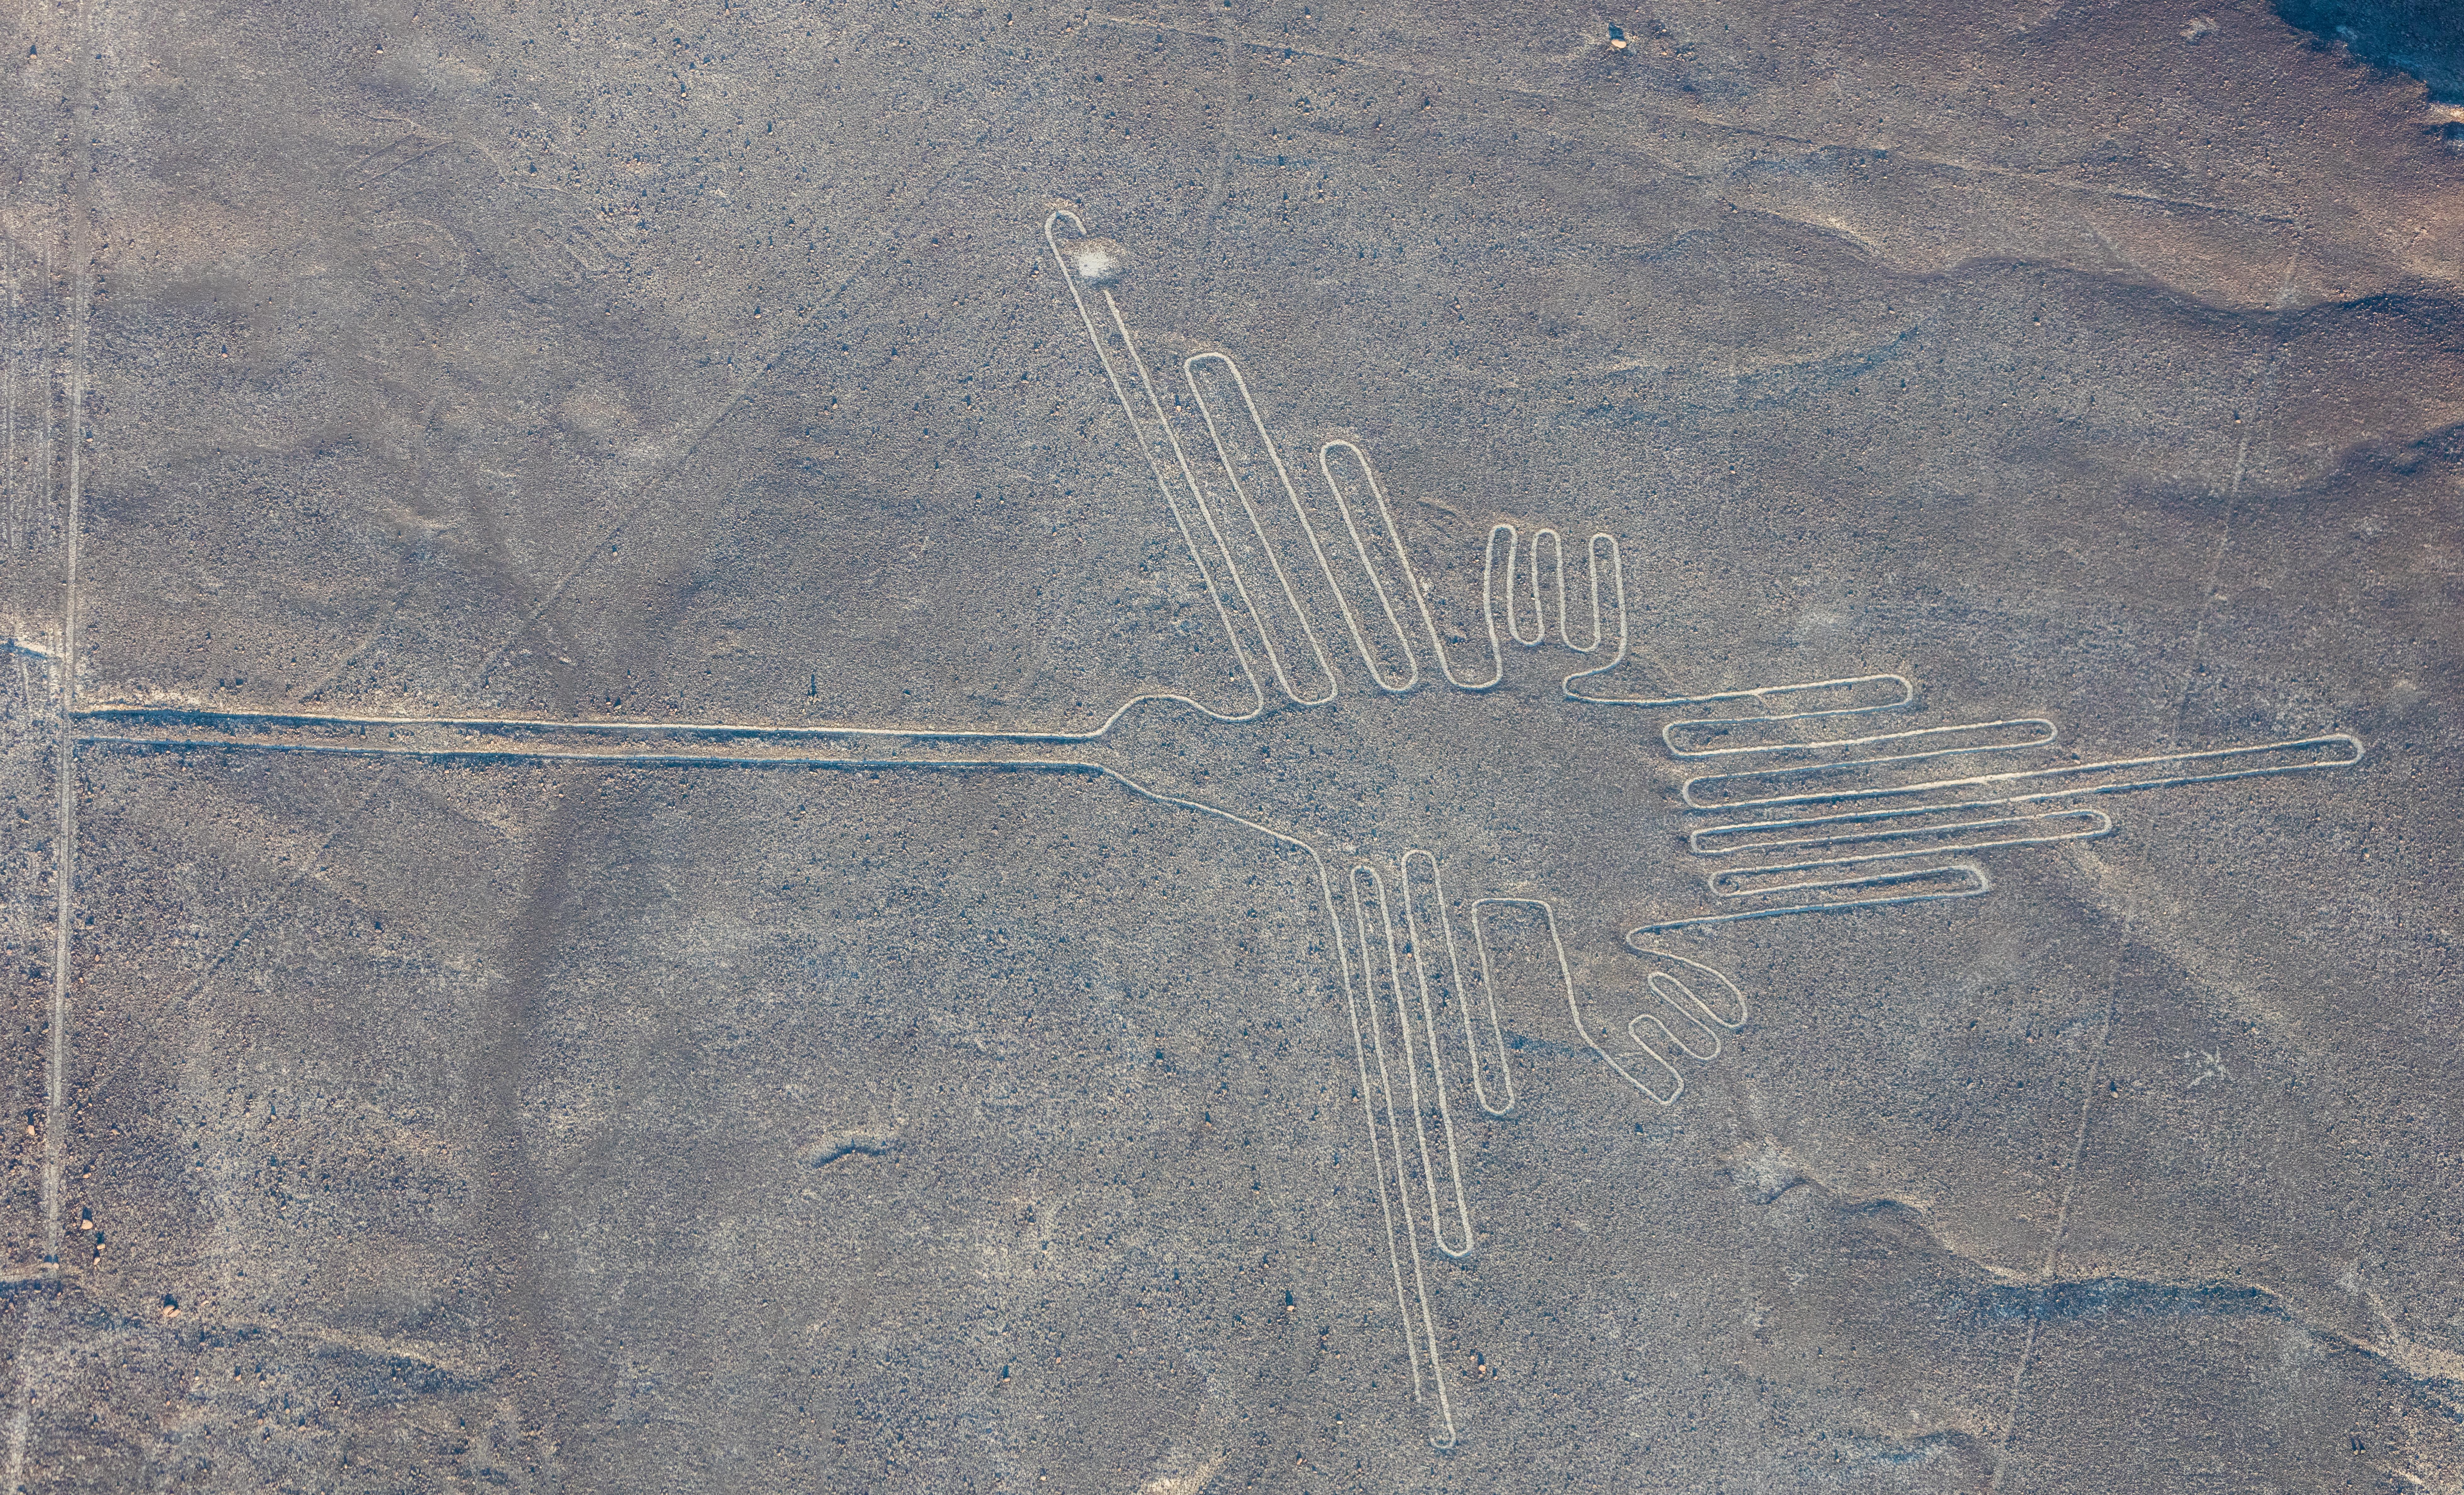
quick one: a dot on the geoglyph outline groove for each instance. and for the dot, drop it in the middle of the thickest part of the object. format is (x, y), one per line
(1844, 819)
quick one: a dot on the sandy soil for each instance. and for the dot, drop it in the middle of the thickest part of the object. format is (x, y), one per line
(695, 808)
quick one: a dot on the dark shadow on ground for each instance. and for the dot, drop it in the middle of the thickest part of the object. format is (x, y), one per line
(2422, 37)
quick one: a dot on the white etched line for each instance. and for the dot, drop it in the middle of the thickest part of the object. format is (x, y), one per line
(1172, 500)
(1744, 882)
(2089, 825)
(1412, 583)
(1761, 695)
(2064, 771)
(1599, 544)
(194, 715)
(1488, 615)
(1436, 1063)
(578, 756)
(1698, 1015)
(1859, 827)
(1366, 877)
(1766, 695)
(1873, 839)
(1740, 881)
(1454, 965)
(64, 856)
(2041, 734)
(1257, 522)
(1970, 879)
(1369, 1048)
(1557, 568)
(2047, 734)
(1368, 565)
(1539, 609)
(1696, 1010)
(1566, 979)
(1573, 1009)
(17, 525)
(1660, 983)
(1829, 876)
(1205, 511)
(1642, 1050)
(48, 440)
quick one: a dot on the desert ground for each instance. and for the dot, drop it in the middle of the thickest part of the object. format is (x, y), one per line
(1180, 747)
